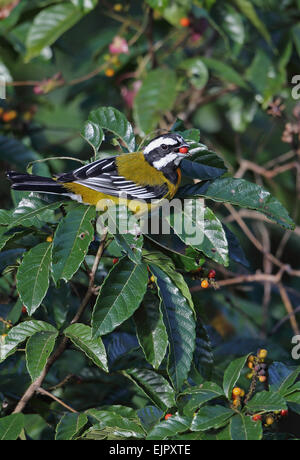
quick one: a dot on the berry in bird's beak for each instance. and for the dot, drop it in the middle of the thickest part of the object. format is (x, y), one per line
(183, 150)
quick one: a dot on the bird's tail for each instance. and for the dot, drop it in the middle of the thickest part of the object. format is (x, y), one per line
(29, 182)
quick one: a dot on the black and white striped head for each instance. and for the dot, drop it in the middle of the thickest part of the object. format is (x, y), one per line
(165, 152)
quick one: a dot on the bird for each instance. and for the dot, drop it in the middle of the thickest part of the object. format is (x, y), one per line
(148, 176)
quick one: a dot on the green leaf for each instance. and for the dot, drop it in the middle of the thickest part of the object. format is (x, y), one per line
(16, 153)
(154, 385)
(122, 221)
(11, 427)
(38, 349)
(120, 295)
(196, 71)
(180, 325)
(33, 212)
(199, 395)
(71, 241)
(266, 401)
(203, 165)
(81, 336)
(169, 428)
(70, 426)
(5, 217)
(242, 193)
(232, 374)
(151, 331)
(225, 72)
(110, 119)
(231, 22)
(156, 96)
(210, 417)
(149, 416)
(243, 428)
(203, 356)
(49, 25)
(198, 227)
(246, 7)
(33, 276)
(93, 134)
(19, 334)
(118, 425)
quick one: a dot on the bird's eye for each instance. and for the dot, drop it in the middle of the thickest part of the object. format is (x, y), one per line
(164, 146)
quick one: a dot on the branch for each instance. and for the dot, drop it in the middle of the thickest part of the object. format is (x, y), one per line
(33, 388)
(50, 395)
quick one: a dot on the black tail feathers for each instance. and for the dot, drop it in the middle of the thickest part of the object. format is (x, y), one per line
(29, 182)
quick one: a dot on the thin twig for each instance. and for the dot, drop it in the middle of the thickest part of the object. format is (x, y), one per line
(59, 401)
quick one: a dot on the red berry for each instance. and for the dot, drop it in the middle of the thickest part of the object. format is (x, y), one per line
(183, 150)
(168, 416)
(24, 310)
(212, 274)
(256, 417)
(115, 260)
(284, 413)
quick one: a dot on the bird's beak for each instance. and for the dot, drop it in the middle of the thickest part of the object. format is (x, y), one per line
(183, 150)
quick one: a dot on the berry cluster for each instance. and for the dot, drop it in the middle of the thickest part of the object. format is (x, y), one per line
(206, 282)
(259, 369)
(270, 418)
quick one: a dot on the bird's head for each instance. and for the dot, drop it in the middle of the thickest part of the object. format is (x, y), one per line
(165, 152)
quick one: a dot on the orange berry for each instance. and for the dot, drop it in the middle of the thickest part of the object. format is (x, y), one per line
(262, 354)
(152, 279)
(251, 358)
(242, 393)
(185, 22)
(204, 284)
(236, 402)
(49, 239)
(250, 365)
(270, 420)
(9, 116)
(109, 72)
(236, 391)
(168, 416)
(262, 378)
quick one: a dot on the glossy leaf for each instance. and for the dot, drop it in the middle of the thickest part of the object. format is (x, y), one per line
(151, 331)
(81, 336)
(169, 428)
(154, 385)
(242, 193)
(210, 417)
(19, 334)
(32, 212)
(156, 95)
(266, 401)
(149, 416)
(15, 152)
(110, 119)
(196, 71)
(247, 8)
(69, 252)
(120, 295)
(198, 227)
(33, 276)
(196, 396)
(118, 425)
(11, 427)
(38, 349)
(180, 325)
(225, 72)
(232, 374)
(70, 426)
(49, 25)
(243, 428)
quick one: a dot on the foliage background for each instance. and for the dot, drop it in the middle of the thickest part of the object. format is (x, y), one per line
(228, 73)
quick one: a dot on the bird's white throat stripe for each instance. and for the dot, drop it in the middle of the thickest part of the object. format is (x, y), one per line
(163, 162)
(158, 142)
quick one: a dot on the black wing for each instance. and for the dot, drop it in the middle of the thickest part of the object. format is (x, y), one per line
(102, 176)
